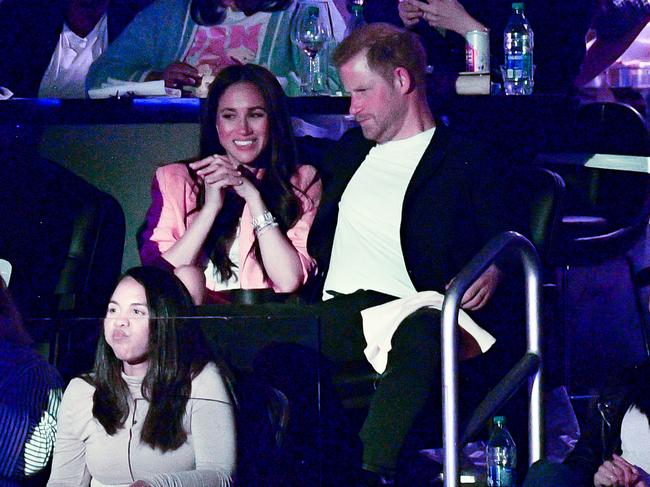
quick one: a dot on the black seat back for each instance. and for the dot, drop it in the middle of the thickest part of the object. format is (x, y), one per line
(536, 196)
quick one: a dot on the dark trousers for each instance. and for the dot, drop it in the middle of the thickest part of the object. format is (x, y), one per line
(411, 381)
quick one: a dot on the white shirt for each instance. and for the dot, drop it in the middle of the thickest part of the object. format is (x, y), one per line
(635, 438)
(212, 279)
(367, 251)
(65, 77)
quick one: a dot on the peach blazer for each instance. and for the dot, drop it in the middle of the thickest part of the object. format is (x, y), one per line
(174, 197)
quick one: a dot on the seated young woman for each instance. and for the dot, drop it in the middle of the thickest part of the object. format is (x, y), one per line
(156, 411)
(241, 214)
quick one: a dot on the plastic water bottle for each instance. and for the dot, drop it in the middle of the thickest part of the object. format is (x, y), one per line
(356, 17)
(501, 456)
(518, 43)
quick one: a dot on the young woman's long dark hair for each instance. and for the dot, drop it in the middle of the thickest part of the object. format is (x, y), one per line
(278, 159)
(177, 353)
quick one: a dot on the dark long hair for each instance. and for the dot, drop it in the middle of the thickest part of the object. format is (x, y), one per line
(278, 161)
(212, 12)
(177, 353)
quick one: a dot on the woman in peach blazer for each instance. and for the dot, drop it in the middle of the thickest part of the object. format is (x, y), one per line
(238, 220)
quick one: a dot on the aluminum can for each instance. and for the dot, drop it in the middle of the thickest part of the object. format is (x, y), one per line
(477, 51)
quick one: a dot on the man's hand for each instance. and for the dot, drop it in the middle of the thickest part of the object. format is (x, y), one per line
(482, 290)
(140, 483)
(445, 14)
(618, 472)
(179, 74)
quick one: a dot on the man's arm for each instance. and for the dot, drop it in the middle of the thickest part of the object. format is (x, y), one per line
(141, 48)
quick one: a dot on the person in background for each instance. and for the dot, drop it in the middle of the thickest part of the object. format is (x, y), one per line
(179, 41)
(239, 217)
(46, 47)
(442, 25)
(156, 411)
(407, 203)
(30, 394)
(613, 447)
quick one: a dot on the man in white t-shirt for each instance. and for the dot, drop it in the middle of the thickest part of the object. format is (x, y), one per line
(407, 203)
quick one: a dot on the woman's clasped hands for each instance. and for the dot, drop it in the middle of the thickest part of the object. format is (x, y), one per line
(218, 174)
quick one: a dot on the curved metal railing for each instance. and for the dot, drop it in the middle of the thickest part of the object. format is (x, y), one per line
(531, 362)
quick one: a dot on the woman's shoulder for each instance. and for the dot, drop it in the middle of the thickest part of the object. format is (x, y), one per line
(79, 388)
(77, 400)
(210, 384)
(173, 176)
(174, 170)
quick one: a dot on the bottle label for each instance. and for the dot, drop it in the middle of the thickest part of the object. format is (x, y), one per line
(518, 66)
(499, 476)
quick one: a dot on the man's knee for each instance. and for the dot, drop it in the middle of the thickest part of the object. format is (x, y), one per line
(422, 325)
(418, 334)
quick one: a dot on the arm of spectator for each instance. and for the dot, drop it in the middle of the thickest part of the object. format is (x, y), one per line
(604, 51)
(69, 461)
(176, 75)
(28, 414)
(480, 292)
(444, 14)
(173, 199)
(283, 254)
(40, 444)
(149, 43)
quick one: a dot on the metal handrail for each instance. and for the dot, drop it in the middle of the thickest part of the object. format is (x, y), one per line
(507, 241)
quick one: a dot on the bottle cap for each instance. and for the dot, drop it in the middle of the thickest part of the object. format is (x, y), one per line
(499, 420)
(518, 5)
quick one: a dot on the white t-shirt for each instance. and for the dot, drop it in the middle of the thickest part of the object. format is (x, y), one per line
(212, 279)
(65, 77)
(635, 438)
(367, 251)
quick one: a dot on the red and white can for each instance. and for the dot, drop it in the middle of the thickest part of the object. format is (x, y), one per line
(477, 51)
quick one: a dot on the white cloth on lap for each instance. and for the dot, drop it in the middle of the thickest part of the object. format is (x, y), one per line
(381, 322)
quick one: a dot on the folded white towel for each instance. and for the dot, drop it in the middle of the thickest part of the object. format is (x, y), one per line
(123, 88)
(381, 322)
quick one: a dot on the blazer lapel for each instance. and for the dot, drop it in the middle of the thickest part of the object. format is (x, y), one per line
(431, 159)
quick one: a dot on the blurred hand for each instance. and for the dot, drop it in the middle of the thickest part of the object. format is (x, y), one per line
(140, 483)
(618, 472)
(445, 14)
(482, 290)
(179, 74)
(409, 13)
